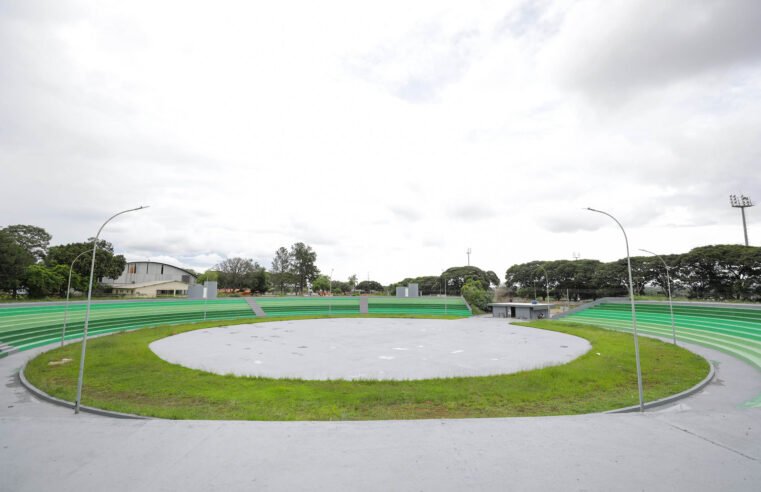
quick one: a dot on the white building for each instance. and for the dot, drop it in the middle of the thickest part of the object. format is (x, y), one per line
(151, 279)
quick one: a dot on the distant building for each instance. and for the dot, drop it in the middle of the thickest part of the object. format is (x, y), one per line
(410, 291)
(521, 310)
(151, 279)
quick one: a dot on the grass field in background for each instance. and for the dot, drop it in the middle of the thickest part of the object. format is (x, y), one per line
(123, 374)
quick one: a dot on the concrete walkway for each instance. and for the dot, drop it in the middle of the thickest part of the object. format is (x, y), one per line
(370, 348)
(706, 442)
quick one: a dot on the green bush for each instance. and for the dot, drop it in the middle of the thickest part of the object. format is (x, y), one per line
(476, 295)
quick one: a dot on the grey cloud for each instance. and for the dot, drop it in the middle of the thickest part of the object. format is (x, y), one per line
(407, 213)
(531, 19)
(578, 219)
(307, 233)
(555, 223)
(472, 211)
(661, 42)
(417, 67)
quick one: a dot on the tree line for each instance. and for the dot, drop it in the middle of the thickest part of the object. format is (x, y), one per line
(293, 271)
(29, 264)
(721, 272)
(474, 284)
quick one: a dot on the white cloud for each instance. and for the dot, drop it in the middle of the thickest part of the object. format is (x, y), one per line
(391, 137)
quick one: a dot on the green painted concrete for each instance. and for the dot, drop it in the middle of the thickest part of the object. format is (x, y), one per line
(28, 326)
(735, 331)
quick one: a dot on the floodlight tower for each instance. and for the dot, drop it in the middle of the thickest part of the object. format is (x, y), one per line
(470, 251)
(742, 202)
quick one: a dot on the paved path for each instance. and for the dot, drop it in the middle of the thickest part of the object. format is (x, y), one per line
(706, 442)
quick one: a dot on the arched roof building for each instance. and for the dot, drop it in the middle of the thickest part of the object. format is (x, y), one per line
(150, 278)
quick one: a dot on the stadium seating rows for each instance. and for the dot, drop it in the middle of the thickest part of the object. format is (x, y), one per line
(27, 326)
(731, 329)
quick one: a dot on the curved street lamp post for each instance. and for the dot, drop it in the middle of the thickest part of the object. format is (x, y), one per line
(634, 313)
(87, 312)
(668, 284)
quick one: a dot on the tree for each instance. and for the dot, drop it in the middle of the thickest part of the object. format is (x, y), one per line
(42, 281)
(233, 273)
(281, 274)
(577, 277)
(352, 282)
(427, 285)
(456, 277)
(240, 273)
(303, 267)
(208, 275)
(342, 287)
(720, 271)
(725, 271)
(476, 295)
(369, 286)
(257, 279)
(611, 279)
(321, 284)
(14, 260)
(107, 264)
(33, 239)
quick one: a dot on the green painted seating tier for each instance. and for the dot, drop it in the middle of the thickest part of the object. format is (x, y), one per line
(26, 327)
(731, 329)
(303, 306)
(453, 306)
(308, 306)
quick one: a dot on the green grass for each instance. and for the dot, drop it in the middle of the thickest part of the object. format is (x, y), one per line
(123, 374)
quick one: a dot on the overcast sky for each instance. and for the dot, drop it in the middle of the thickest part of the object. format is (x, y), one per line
(390, 136)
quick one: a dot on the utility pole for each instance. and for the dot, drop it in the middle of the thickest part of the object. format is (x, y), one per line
(576, 256)
(470, 251)
(742, 203)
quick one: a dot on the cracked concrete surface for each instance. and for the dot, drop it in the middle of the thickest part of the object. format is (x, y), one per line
(370, 348)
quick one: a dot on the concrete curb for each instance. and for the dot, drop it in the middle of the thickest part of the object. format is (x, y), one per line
(63, 403)
(119, 415)
(673, 398)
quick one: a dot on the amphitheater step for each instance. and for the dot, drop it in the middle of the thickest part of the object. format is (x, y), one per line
(255, 307)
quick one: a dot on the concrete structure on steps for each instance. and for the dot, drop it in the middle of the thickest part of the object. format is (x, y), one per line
(521, 310)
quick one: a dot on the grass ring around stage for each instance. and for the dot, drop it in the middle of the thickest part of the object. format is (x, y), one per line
(123, 374)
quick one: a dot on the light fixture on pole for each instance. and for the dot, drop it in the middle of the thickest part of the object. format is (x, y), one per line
(87, 312)
(668, 284)
(68, 290)
(634, 312)
(742, 202)
(468, 252)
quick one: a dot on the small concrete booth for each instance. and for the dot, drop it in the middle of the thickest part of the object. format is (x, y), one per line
(521, 310)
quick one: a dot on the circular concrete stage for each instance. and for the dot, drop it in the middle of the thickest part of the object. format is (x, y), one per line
(370, 348)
